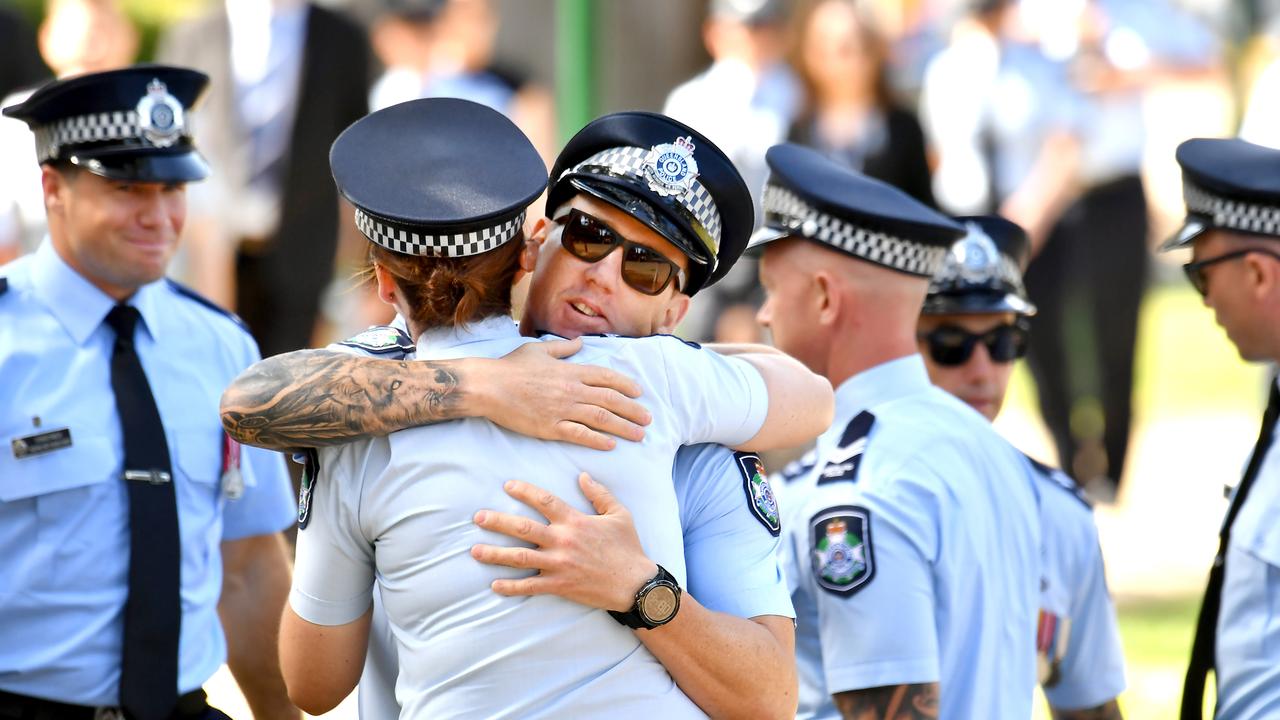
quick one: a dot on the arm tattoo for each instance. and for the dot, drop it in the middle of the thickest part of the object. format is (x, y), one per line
(893, 702)
(1107, 711)
(313, 398)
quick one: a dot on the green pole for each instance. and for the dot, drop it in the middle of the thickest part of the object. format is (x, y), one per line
(575, 65)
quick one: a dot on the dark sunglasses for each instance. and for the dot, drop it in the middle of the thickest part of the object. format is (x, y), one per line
(644, 269)
(1200, 279)
(950, 345)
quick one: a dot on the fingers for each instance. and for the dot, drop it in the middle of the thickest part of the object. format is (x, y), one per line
(545, 502)
(606, 420)
(601, 499)
(516, 526)
(522, 558)
(616, 403)
(536, 585)
(561, 348)
(601, 377)
(579, 434)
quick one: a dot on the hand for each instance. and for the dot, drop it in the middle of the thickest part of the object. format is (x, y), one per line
(532, 393)
(594, 560)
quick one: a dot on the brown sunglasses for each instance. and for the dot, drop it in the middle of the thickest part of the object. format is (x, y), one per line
(644, 269)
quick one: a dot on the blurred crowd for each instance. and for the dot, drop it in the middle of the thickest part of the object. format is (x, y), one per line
(1042, 110)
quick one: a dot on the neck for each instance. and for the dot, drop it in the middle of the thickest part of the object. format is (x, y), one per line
(870, 344)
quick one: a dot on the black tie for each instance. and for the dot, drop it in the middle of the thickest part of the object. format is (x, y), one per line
(153, 613)
(1203, 648)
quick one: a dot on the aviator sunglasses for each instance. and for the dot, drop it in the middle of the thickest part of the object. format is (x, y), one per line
(644, 269)
(951, 345)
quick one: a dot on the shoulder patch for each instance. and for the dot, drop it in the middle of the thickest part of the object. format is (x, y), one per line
(840, 549)
(1059, 478)
(760, 496)
(307, 488)
(190, 294)
(844, 461)
(380, 340)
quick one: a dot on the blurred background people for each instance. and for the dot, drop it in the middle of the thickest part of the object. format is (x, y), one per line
(76, 36)
(745, 101)
(288, 76)
(849, 114)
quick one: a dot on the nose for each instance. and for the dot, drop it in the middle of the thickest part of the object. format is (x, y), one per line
(151, 209)
(765, 314)
(606, 271)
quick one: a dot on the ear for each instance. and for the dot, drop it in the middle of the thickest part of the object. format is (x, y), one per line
(826, 296)
(675, 311)
(533, 243)
(1263, 275)
(53, 183)
(386, 285)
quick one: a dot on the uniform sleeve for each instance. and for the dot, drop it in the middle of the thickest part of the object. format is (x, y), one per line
(730, 548)
(267, 505)
(870, 552)
(714, 399)
(1092, 671)
(333, 571)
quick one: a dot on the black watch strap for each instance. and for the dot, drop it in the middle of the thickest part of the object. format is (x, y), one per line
(664, 583)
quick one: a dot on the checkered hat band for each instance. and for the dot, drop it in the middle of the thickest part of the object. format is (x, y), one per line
(1234, 214)
(406, 242)
(786, 210)
(630, 161)
(98, 127)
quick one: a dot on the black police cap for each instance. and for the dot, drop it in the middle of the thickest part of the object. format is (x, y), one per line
(811, 196)
(1230, 184)
(128, 124)
(437, 176)
(669, 177)
(982, 272)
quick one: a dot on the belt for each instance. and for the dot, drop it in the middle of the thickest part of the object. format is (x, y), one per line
(24, 707)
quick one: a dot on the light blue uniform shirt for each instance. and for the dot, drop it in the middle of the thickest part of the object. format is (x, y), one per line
(913, 551)
(399, 510)
(1079, 655)
(64, 515)
(730, 552)
(1248, 647)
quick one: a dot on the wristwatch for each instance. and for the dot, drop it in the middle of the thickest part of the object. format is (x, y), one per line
(656, 603)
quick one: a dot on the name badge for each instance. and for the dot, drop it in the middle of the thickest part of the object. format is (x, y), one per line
(41, 443)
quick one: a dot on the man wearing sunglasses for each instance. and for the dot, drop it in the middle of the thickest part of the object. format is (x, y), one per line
(627, 241)
(971, 330)
(912, 531)
(1232, 193)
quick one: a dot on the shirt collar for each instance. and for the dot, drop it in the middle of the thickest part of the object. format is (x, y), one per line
(444, 342)
(79, 306)
(884, 382)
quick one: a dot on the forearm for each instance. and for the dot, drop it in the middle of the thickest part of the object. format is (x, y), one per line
(1107, 711)
(705, 653)
(914, 702)
(254, 589)
(313, 398)
(801, 403)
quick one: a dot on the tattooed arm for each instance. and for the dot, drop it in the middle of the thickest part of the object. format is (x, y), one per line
(893, 702)
(1107, 711)
(312, 398)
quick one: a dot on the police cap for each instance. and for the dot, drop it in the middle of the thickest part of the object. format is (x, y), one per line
(811, 196)
(669, 177)
(439, 176)
(1230, 184)
(982, 272)
(128, 124)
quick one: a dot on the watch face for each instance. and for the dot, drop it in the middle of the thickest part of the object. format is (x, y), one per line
(659, 604)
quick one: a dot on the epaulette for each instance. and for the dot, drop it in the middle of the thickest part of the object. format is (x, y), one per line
(4, 285)
(187, 292)
(690, 343)
(844, 461)
(796, 469)
(382, 340)
(1060, 479)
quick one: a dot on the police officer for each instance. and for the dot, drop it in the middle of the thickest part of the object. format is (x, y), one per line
(912, 530)
(122, 503)
(1232, 190)
(971, 331)
(736, 612)
(455, 639)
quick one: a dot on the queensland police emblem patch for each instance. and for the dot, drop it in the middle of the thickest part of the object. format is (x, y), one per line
(670, 167)
(840, 540)
(160, 116)
(759, 495)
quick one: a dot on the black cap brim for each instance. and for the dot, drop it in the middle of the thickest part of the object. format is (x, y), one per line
(1187, 234)
(619, 193)
(977, 303)
(156, 167)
